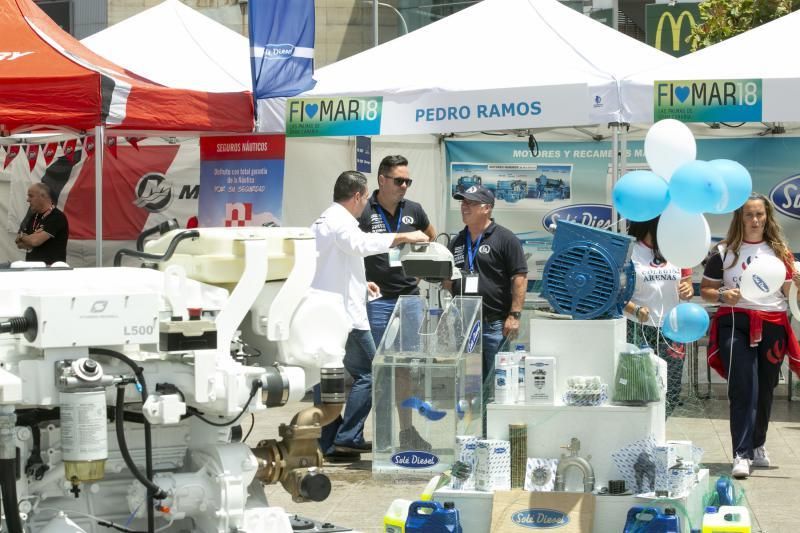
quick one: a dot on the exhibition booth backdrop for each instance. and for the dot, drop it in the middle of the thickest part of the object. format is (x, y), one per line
(497, 65)
(51, 82)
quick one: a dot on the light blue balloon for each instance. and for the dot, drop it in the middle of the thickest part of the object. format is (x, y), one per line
(697, 187)
(686, 322)
(738, 181)
(640, 195)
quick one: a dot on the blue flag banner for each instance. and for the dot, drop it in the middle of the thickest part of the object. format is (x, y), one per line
(281, 47)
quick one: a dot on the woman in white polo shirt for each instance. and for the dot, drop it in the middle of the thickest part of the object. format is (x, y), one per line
(660, 286)
(749, 339)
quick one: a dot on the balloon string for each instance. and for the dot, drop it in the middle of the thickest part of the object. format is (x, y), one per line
(612, 224)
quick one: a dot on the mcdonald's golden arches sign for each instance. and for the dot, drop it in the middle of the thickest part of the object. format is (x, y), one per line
(667, 27)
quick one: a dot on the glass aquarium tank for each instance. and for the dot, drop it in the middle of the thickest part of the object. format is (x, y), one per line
(426, 385)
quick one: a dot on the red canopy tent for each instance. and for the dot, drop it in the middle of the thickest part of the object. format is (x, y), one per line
(49, 80)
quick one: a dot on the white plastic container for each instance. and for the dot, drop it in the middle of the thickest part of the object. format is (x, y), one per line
(394, 521)
(520, 355)
(505, 378)
(727, 519)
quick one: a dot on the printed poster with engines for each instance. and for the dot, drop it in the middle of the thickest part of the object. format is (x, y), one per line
(572, 181)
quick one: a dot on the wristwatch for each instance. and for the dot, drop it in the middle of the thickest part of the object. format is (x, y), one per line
(515, 314)
(720, 295)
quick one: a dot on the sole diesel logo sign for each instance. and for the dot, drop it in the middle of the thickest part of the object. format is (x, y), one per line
(540, 518)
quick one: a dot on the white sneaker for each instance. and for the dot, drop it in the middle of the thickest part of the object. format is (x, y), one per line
(760, 457)
(741, 467)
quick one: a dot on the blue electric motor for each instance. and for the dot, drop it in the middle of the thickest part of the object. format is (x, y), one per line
(589, 274)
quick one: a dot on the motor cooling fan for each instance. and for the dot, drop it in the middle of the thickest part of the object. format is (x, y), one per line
(589, 274)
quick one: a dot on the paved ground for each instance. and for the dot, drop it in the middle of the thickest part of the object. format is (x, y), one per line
(773, 495)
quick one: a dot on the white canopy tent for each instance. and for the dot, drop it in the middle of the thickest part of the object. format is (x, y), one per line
(502, 53)
(176, 46)
(766, 53)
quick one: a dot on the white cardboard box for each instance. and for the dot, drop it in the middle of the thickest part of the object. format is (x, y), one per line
(540, 380)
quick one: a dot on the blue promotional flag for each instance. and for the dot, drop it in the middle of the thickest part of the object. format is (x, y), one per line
(281, 47)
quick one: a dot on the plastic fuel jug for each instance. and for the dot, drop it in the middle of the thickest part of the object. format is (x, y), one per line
(433, 517)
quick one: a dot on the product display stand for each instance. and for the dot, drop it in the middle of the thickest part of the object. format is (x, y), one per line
(581, 348)
(475, 507)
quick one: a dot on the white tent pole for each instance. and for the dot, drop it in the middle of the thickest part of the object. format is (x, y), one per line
(99, 146)
(623, 149)
(614, 173)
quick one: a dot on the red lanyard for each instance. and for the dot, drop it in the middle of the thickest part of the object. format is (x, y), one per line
(38, 219)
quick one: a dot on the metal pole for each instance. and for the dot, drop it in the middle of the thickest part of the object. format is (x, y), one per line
(614, 174)
(615, 14)
(99, 146)
(374, 22)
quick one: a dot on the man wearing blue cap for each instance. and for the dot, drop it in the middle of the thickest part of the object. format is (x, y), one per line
(493, 266)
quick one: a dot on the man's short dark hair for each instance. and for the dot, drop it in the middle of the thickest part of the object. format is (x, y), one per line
(348, 184)
(391, 161)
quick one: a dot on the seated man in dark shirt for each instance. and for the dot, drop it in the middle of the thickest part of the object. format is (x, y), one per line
(44, 233)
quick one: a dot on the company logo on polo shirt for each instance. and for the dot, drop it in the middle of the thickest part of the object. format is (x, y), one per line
(785, 196)
(153, 192)
(484, 249)
(408, 220)
(540, 518)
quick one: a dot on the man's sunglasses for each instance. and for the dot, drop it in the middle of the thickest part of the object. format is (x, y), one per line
(400, 181)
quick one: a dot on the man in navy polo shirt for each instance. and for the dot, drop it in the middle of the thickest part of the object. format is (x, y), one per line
(388, 211)
(493, 266)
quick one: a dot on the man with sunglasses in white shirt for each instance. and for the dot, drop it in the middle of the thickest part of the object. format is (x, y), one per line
(341, 249)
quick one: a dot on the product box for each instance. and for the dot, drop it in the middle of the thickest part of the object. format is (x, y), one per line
(493, 465)
(665, 458)
(466, 446)
(540, 380)
(683, 449)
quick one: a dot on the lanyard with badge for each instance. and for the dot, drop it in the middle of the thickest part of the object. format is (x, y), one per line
(471, 279)
(394, 253)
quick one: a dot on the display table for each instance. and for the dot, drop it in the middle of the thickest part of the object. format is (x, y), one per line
(601, 430)
(610, 512)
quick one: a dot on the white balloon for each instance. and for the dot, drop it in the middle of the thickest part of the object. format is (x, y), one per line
(669, 144)
(683, 238)
(763, 277)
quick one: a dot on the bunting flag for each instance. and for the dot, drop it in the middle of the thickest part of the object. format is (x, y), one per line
(50, 153)
(12, 153)
(69, 149)
(33, 154)
(134, 141)
(111, 144)
(88, 144)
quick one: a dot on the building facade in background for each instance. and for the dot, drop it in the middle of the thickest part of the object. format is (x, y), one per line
(344, 27)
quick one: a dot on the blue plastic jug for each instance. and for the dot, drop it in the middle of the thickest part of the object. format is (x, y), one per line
(432, 517)
(726, 491)
(652, 520)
